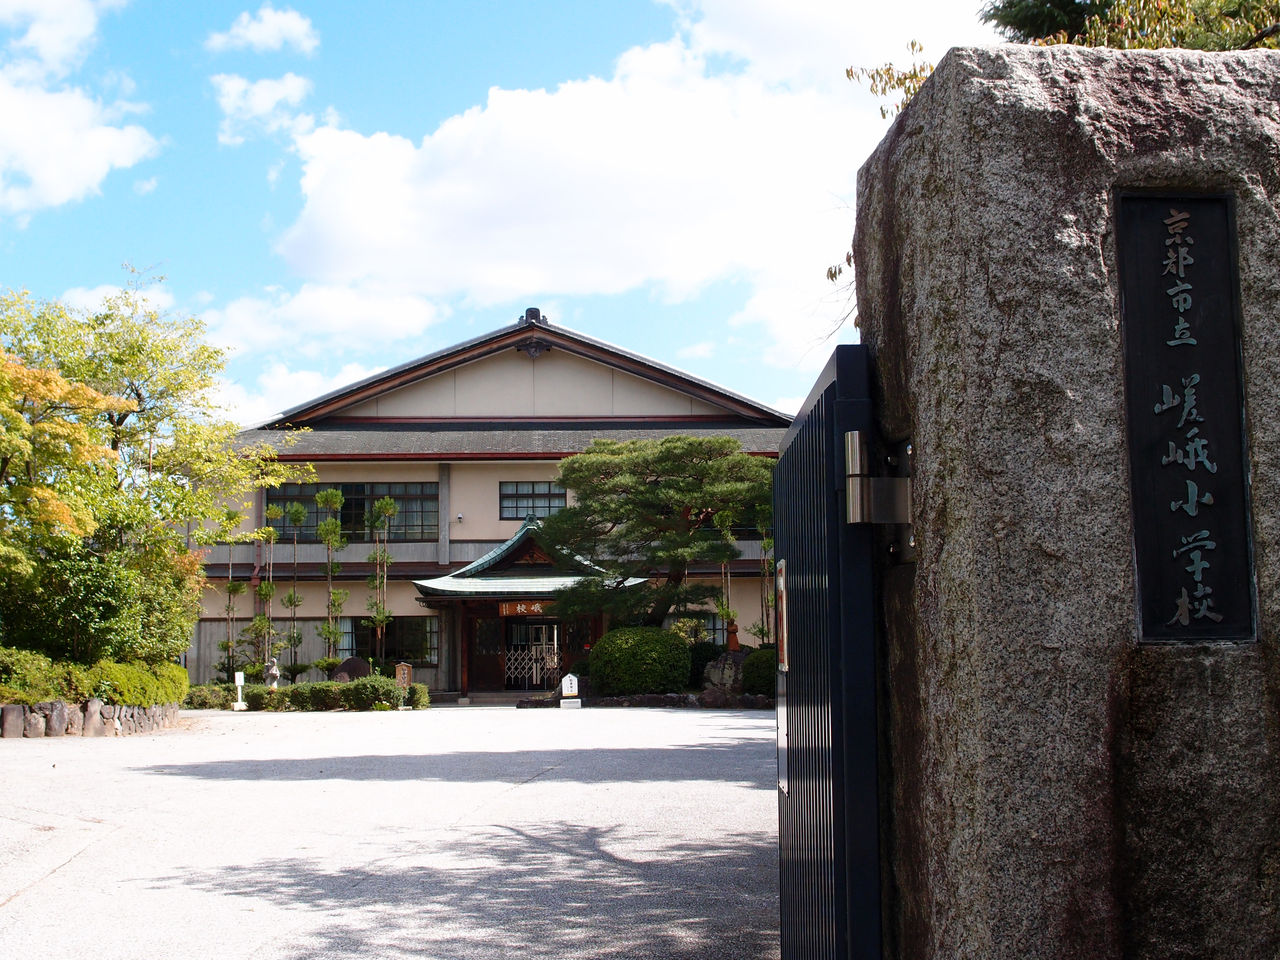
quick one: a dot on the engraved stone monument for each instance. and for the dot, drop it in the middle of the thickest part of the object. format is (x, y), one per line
(1068, 275)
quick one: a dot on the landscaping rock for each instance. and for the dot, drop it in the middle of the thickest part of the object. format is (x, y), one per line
(726, 671)
(75, 720)
(56, 722)
(93, 724)
(354, 668)
(713, 697)
(33, 724)
(11, 720)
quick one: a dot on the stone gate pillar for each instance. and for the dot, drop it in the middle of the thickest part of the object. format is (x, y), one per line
(1066, 782)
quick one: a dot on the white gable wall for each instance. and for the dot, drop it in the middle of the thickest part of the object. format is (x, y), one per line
(513, 384)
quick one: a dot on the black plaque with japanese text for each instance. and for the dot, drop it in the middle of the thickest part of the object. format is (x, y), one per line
(1180, 326)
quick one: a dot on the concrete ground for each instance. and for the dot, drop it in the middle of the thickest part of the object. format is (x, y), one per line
(477, 832)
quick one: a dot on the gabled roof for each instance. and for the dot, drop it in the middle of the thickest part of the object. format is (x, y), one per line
(531, 333)
(500, 573)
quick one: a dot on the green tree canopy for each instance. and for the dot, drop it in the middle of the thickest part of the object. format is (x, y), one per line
(654, 509)
(1029, 20)
(1133, 24)
(112, 452)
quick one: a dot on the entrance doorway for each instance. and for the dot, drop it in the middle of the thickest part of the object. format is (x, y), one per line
(533, 654)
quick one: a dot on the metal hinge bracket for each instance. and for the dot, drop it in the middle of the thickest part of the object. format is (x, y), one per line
(880, 493)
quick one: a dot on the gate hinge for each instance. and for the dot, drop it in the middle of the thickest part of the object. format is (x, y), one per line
(880, 496)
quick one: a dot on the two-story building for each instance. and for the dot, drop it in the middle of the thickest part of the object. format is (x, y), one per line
(467, 441)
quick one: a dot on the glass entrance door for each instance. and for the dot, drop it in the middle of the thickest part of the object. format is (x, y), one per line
(533, 655)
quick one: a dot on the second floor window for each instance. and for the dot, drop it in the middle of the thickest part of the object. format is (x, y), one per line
(518, 499)
(417, 517)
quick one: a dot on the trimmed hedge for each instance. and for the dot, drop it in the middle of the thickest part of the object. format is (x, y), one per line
(417, 696)
(27, 678)
(368, 692)
(631, 660)
(211, 696)
(759, 672)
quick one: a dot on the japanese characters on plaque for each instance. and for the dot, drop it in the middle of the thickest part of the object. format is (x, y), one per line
(524, 608)
(1179, 314)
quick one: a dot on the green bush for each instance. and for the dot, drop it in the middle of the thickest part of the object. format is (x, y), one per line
(137, 684)
(28, 677)
(759, 672)
(325, 695)
(700, 654)
(299, 696)
(211, 696)
(632, 660)
(417, 696)
(364, 693)
(255, 695)
(14, 695)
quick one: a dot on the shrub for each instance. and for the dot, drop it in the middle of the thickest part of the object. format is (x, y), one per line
(253, 672)
(700, 654)
(299, 696)
(639, 660)
(325, 695)
(255, 695)
(362, 694)
(212, 696)
(759, 672)
(137, 684)
(27, 677)
(417, 696)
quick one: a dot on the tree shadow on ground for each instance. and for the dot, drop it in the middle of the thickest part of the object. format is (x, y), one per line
(556, 890)
(725, 761)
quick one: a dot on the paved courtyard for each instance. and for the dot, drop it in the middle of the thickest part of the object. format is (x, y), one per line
(477, 832)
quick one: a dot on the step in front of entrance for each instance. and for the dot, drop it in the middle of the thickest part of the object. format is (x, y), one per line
(500, 697)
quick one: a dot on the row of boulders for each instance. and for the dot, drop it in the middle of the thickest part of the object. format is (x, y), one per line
(91, 719)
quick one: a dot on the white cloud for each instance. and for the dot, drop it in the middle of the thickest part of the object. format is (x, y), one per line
(58, 142)
(726, 154)
(701, 350)
(789, 405)
(57, 146)
(58, 32)
(261, 105)
(279, 388)
(320, 319)
(143, 187)
(268, 29)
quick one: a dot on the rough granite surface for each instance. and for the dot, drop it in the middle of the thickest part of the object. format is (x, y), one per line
(1058, 791)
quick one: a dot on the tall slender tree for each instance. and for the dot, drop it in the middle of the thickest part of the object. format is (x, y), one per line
(379, 520)
(329, 530)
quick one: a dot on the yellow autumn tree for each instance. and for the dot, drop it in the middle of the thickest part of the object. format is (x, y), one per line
(47, 454)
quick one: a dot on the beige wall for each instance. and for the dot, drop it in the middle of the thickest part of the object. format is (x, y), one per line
(512, 384)
(473, 491)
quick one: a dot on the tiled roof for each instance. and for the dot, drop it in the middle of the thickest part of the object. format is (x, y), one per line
(417, 442)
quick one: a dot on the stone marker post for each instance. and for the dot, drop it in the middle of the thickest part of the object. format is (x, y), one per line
(1085, 763)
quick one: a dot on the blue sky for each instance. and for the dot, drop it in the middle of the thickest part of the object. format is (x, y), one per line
(336, 188)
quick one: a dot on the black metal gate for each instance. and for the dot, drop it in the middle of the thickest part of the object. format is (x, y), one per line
(828, 804)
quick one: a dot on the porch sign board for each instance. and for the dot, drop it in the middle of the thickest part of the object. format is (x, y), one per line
(1189, 484)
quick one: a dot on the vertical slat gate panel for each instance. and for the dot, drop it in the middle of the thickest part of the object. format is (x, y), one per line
(828, 821)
